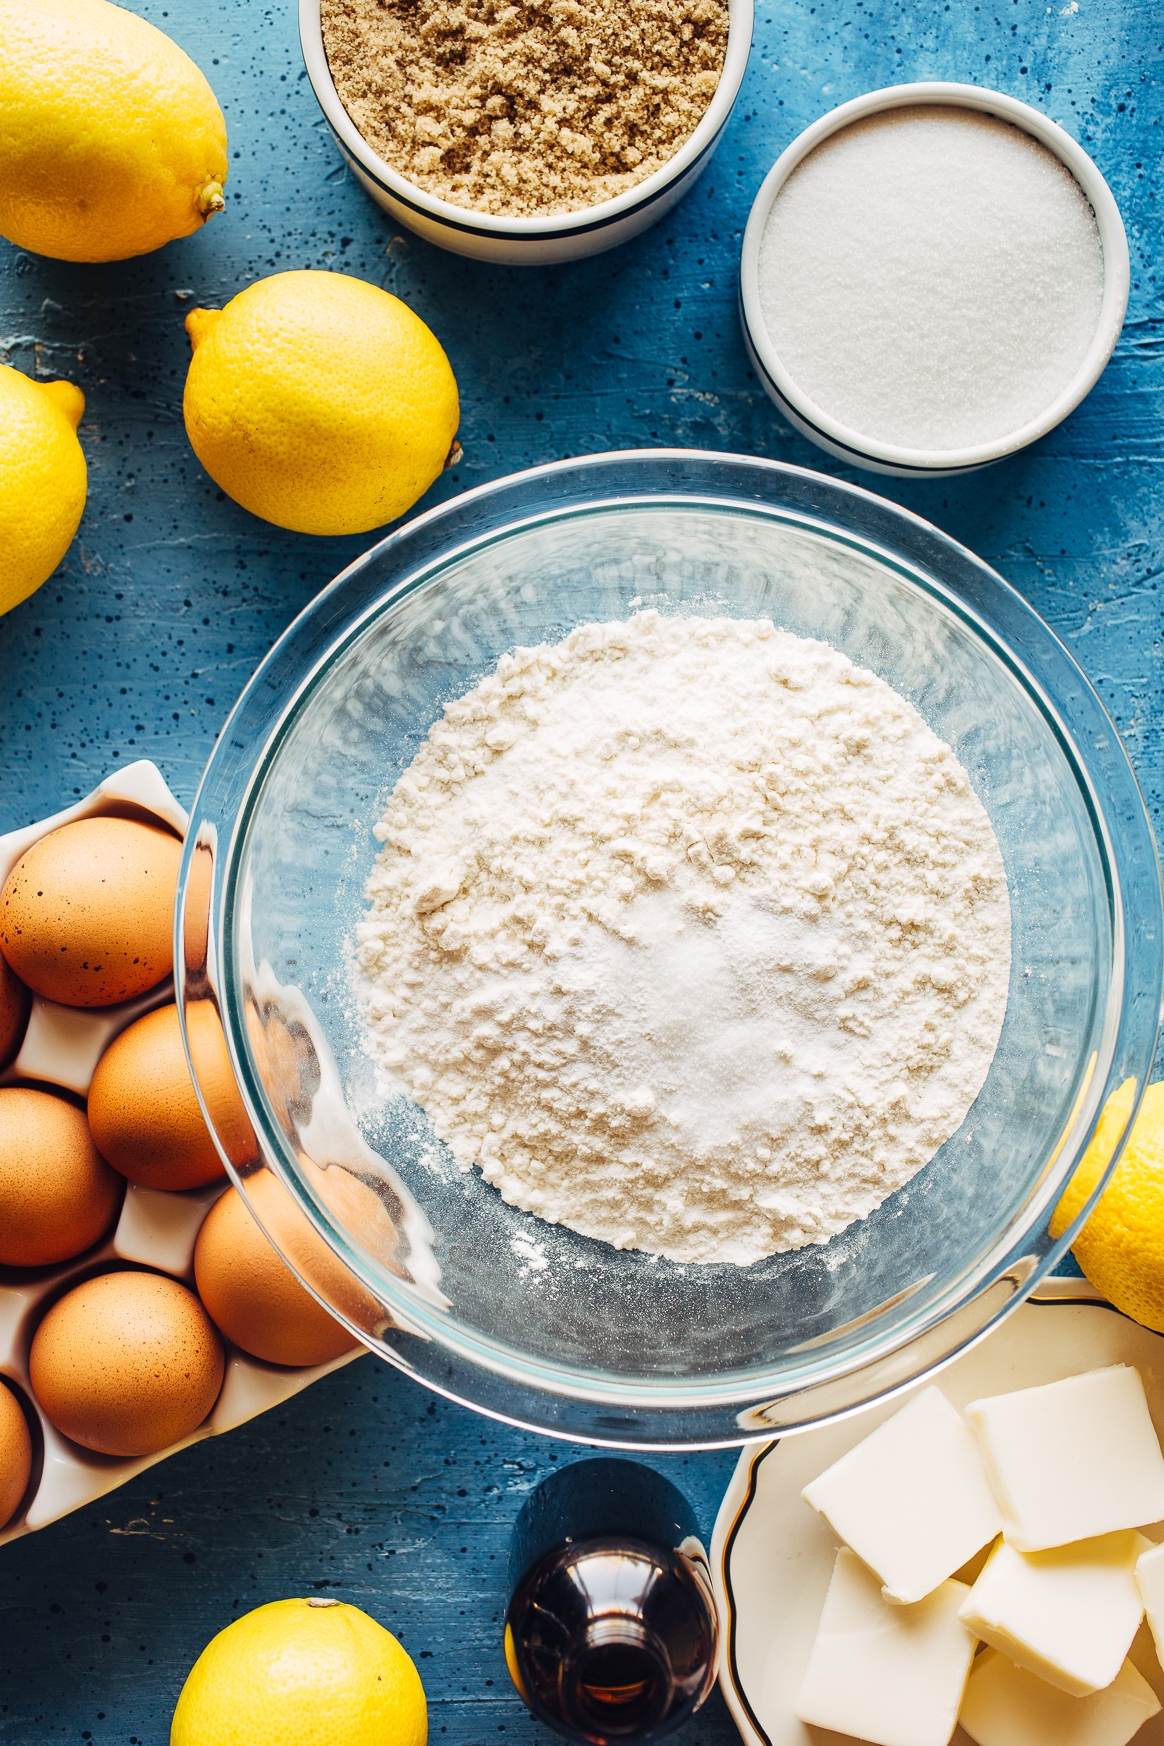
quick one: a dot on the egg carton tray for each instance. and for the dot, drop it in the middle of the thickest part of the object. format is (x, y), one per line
(157, 1229)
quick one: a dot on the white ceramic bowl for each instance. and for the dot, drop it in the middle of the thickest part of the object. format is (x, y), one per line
(538, 241)
(851, 445)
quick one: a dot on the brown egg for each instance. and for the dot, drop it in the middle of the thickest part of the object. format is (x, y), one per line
(281, 1055)
(126, 1363)
(217, 1083)
(356, 1207)
(57, 1194)
(143, 1113)
(252, 1294)
(15, 1001)
(87, 914)
(15, 1454)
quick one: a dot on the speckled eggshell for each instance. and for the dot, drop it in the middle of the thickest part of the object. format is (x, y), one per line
(126, 1363)
(15, 1001)
(143, 1112)
(58, 1196)
(15, 1454)
(87, 914)
(250, 1292)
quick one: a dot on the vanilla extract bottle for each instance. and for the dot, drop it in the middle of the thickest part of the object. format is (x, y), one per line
(611, 1630)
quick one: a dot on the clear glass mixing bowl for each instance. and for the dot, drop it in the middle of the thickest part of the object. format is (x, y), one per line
(488, 1304)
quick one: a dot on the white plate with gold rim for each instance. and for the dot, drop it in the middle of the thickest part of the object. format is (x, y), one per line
(772, 1556)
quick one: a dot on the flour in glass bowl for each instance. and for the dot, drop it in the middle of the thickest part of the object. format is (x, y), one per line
(690, 934)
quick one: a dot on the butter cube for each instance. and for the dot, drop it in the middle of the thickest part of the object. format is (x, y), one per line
(894, 1675)
(913, 1499)
(1150, 1582)
(1073, 1459)
(1068, 1616)
(1007, 1706)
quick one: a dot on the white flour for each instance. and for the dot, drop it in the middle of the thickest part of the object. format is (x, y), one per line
(690, 934)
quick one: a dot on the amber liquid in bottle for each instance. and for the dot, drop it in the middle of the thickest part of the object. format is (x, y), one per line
(611, 1631)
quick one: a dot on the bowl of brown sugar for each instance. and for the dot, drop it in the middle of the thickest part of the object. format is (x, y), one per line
(527, 132)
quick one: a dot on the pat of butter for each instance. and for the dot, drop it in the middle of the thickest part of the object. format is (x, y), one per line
(912, 1500)
(1073, 1459)
(1150, 1582)
(1007, 1706)
(1068, 1616)
(894, 1675)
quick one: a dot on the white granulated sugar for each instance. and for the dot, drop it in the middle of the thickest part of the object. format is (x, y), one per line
(690, 933)
(931, 277)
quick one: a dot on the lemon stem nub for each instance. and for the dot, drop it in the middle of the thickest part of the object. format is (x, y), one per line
(198, 324)
(211, 199)
(67, 397)
(455, 454)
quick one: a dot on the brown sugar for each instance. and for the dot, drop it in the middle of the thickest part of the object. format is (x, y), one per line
(529, 108)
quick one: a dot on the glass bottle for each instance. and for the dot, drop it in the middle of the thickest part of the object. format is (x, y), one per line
(611, 1630)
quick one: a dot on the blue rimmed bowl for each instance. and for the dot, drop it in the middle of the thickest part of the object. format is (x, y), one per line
(536, 241)
(818, 423)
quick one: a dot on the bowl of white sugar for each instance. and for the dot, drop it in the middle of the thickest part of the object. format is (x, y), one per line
(933, 276)
(676, 921)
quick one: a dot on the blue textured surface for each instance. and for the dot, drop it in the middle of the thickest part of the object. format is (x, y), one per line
(171, 594)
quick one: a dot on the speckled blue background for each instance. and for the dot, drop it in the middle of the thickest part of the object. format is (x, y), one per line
(170, 595)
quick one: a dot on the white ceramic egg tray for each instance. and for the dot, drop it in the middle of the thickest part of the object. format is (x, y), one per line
(62, 1046)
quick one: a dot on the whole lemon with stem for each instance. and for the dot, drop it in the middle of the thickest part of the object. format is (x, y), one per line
(111, 141)
(319, 402)
(43, 480)
(1121, 1247)
(311, 1672)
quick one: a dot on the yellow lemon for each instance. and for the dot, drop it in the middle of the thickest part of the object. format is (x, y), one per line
(111, 142)
(302, 1673)
(1121, 1247)
(42, 480)
(321, 403)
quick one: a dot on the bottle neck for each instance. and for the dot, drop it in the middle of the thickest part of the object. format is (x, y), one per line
(616, 1679)
(612, 1640)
